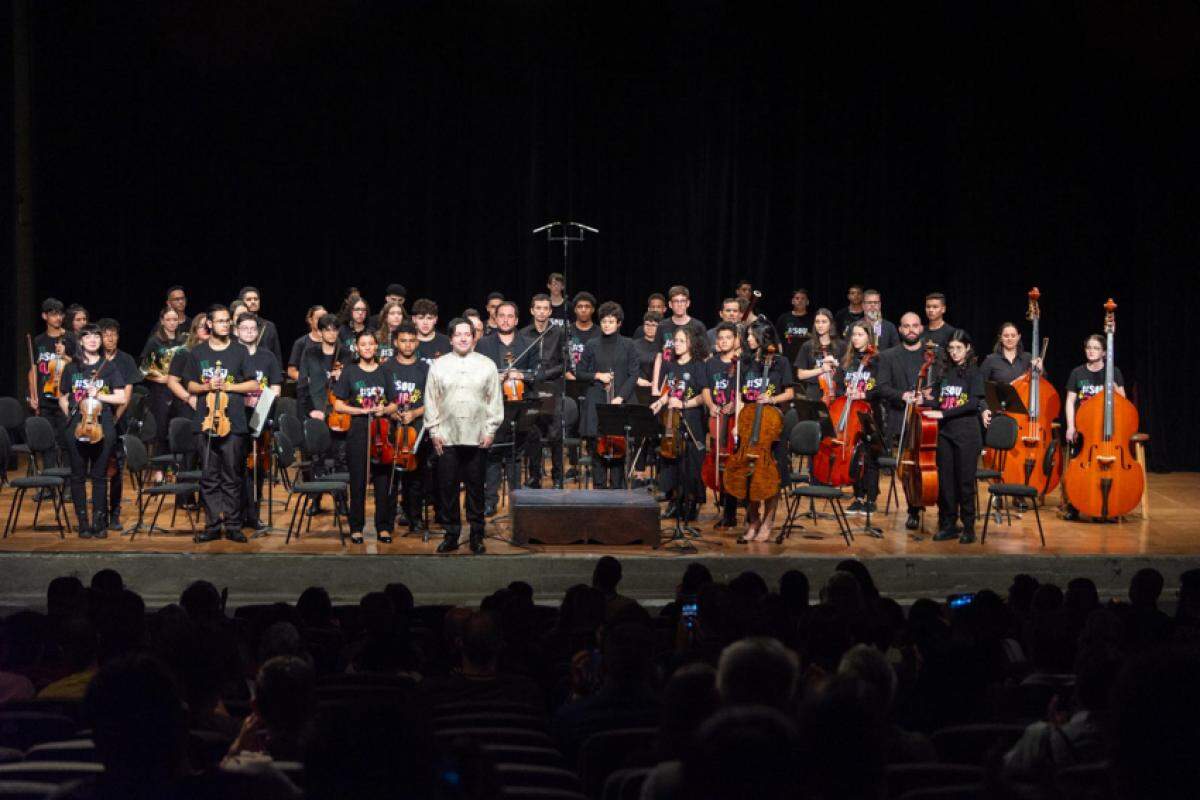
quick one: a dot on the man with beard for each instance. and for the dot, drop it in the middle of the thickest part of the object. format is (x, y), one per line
(899, 367)
(886, 336)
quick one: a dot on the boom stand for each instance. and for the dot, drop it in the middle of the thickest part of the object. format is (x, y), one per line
(683, 535)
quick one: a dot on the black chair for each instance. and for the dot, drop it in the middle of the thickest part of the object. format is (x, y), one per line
(538, 793)
(506, 736)
(12, 420)
(602, 754)
(499, 753)
(1001, 437)
(583, 462)
(74, 750)
(39, 435)
(182, 450)
(974, 744)
(290, 425)
(318, 443)
(26, 790)
(805, 441)
(1085, 782)
(147, 428)
(284, 452)
(903, 778)
(887, 466)
(5, 456)
(485, 719)
(22, 730)
(138, 463)
(10, 755)
(1002, 434)
(532, 776)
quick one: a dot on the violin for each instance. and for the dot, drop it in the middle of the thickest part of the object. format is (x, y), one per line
(825, 381)
(1036, 460)
(838, 461)
(404, 448)
(396, 447)
(514, 388)
(216, 412)
(751, 472)
(610, 447)
(1103, 479)
(264, 453)
(338, 421)
(722, 428)
(671, 444)
(916, 456)
(90, 428)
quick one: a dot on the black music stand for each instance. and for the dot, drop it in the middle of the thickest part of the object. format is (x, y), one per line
(519, 417)
(628, 421)
(683, 535)
(577, 391)
(1002, 398)
(814, 411)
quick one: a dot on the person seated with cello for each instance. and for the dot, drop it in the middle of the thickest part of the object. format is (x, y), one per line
(955, 400)
(858, 379)
(1085, 382)
(267, 374)
(819, 356)
(761, 346)
(609, 364)
(365, 392)
(683, 380)
(90, 390)
(408, 373)
(720, 391)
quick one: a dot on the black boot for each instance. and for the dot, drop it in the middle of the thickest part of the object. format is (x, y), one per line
(691, 510)
(967, 536)
(449, 544)
(477, 543)
(84, 526)
(913, 522)
(671, 511)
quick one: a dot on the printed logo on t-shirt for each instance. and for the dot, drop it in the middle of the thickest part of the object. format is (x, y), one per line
(952, 397)
(1086, 391)
(576, 350)
(755, 386)
(721, 386)
(82, 385)
(407, 392)
(863, 381)
(794, 332)
(367, 396)
(210, 370)
(557, 321)
(681, 387)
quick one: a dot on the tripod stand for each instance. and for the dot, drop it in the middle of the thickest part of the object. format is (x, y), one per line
(519, 417)
(683, 536)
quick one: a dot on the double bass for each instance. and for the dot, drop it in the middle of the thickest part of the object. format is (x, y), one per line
(1036, 460)
(838, 460)
(916, 456)
(722, 428)
(751, 472)
(1103, 478)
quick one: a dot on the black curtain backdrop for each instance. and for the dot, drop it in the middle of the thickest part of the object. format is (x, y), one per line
(976, 149)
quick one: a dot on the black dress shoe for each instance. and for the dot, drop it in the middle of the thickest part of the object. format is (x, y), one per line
(448, 545)
(571, 474)
(385, 537)
(671, 511)
(85, 531)
(968, 534)
(234, 535)
(945, 535)
(114, 522)
(913, 521)
(206, 536)
(477, 545)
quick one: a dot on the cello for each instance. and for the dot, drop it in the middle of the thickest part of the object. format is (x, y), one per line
(751, 472)
(916, 454)
(838, 461)
(1103, 479)
(1036, 460)
(610, 448)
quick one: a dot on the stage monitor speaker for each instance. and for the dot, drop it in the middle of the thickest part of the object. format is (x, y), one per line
(550, 516)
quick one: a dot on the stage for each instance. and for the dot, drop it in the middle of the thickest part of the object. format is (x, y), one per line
(906, 565)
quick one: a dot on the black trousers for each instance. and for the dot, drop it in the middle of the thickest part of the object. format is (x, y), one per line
(356, 461)
(251, 488)
(461, 464)
(159, 398)
(58, 421)
(222, 465)
(548, 430)
(413, 485)
(682, 475)
(90, 461)
(867, 484)
(957, 457)
(116, 484)
(500, 459)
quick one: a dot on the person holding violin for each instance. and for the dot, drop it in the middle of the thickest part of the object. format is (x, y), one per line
(110, 339)
(267, 374)
(218, 372)
(684, 379)
(366, 392)
(515, 361)
(819, 356)
(955, 399)
(761, 345)
(899, 368)
(408, 373)
(548, 357)
(610, 365)
(390, 317)
(720, 389)
(857, 380)
(90, 388)
(50, 353)
(795, 325)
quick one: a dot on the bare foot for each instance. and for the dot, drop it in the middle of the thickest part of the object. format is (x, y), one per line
(764, 533)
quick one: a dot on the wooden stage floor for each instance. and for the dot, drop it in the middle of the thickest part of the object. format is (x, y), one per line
(1171, 529)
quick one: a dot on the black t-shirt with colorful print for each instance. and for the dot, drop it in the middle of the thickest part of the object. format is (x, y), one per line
(77, 379)
(434, 349)
(408, 383)
(686, 381)
(1087, 384)
(959, 396)
(666, 335)
(794, 330)
(264, 369)
(44, 355)
(778, 379)
(720, 379)
(577, 339)
(231, 365)
(363, 389)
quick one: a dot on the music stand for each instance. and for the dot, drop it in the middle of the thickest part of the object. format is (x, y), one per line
(577, 391)
(1002, 398)
(519, 417)
(682, 534)
(628, 421)
(260, 421)
(814, 411)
